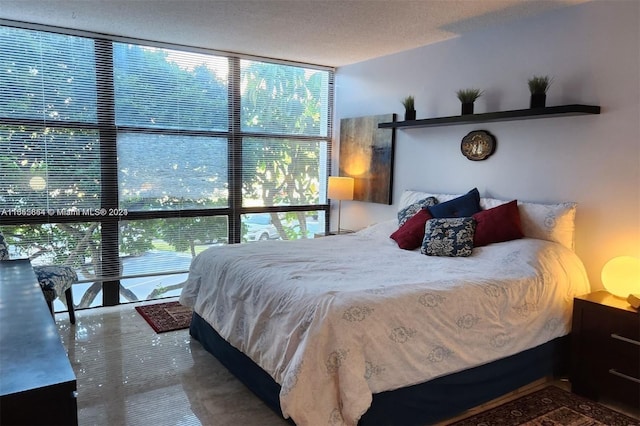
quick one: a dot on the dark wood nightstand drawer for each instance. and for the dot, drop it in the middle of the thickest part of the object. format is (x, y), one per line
(624, 354)
(605, 355)
(622, 382)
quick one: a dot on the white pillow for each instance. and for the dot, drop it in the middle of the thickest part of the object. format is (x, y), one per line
(550, 222)
(409, 197)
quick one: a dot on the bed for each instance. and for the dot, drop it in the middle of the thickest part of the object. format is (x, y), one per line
(351, 329)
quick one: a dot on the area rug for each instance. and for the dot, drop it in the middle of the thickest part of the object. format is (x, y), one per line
(550, 406)
(166, 316)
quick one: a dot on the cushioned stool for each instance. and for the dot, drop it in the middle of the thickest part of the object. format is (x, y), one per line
(54, 280)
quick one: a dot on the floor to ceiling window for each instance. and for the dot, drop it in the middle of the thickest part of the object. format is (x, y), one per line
(126, 159)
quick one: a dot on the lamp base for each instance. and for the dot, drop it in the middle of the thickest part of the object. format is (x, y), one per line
(339, 211)
(634, 300)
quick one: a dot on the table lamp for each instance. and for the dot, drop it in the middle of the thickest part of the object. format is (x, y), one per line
(340, 188)
(621, 276)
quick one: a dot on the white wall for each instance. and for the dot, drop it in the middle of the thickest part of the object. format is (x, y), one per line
(591, 50)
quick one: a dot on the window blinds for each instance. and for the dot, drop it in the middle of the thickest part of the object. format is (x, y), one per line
(125, 159)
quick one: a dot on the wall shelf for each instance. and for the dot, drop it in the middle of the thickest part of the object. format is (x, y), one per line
(518, 114)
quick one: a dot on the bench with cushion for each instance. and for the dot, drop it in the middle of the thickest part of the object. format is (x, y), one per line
(54, 280)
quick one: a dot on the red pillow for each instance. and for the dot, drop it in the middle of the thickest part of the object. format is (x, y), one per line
(410, 235)
(501, 223)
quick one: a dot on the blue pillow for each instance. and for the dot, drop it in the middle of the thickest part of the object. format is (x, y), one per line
(464, 206)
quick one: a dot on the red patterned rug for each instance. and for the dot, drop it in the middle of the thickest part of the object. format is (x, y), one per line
(550, 406)
(166, 316)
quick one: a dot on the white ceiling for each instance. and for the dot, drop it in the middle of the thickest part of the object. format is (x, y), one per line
(323, 32)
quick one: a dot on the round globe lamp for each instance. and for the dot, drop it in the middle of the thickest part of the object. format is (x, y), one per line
(621, 276)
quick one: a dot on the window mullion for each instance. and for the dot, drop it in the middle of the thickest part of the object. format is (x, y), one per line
(110, 259)
(235, 151)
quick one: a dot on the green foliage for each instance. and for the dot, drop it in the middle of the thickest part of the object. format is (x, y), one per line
(409, 103)
(29, 152)
(468, 95)
(539, 84)
(142, 77)
(73, 244)
(281, 99)
(285, 100)
(276, 99)
(52, 60)
(185, 233)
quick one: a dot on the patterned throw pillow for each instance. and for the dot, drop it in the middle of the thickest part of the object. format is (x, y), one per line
(4, 249)
(409, 211)
(449, 237)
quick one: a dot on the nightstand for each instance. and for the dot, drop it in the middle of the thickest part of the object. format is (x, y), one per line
(605, 349)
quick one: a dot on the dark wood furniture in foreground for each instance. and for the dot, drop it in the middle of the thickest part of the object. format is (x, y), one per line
(605, 354)
(37, 383)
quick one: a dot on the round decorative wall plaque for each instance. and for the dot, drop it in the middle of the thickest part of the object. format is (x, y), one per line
(478, 145)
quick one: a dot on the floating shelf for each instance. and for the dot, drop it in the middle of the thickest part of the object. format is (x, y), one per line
(518, 114)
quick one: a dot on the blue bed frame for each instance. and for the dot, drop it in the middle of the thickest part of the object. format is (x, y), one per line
(421, 404)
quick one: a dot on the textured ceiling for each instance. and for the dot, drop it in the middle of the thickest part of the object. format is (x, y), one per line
(322, 32)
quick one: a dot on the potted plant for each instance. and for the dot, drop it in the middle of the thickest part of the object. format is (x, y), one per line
(468, 97)
(409, 108)
(538, 85)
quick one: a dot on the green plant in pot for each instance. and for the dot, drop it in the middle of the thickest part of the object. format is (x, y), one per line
(538, 86)
(467, 97)
(409, 108)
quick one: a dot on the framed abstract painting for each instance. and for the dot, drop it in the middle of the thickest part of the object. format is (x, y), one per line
(366, 155)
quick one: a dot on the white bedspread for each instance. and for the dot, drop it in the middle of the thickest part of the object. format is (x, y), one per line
(336, 319)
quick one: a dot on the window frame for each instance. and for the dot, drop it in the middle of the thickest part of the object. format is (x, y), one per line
(108, 132)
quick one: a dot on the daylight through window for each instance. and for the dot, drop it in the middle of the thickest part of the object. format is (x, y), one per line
(125, 159)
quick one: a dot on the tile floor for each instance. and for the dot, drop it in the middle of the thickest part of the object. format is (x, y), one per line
(129, 375)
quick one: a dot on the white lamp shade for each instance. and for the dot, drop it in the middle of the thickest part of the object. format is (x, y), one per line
(621, 276)
(340, 188)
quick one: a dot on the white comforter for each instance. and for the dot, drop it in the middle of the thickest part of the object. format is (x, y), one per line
(336, 319)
